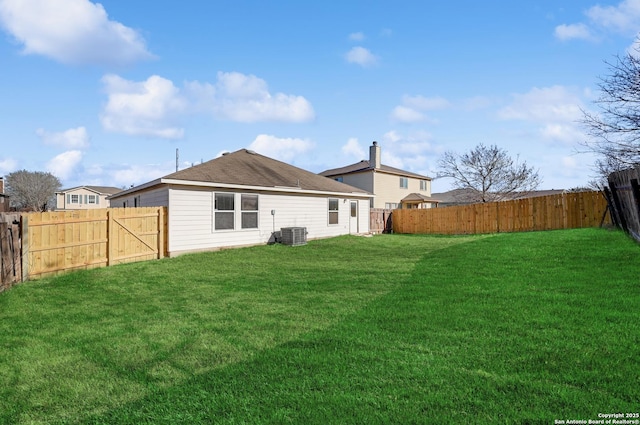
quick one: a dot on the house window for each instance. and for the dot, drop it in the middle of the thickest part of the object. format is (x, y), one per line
(91, 199)
(75, 199)
(224, 211)
(333, 210)
(354, 209)
(339, 179)
(404, 182)
(390, 206)
(249, 205)
(423, 185)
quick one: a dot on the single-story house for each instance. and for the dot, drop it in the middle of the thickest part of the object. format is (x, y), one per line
(244, 198)
(85, 197)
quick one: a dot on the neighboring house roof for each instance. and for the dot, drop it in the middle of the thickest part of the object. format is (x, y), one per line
(365, 165)
(418, 197)
(102, 190)
(248, 168)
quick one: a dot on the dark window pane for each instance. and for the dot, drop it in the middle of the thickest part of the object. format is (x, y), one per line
(333, 217)
(249, 220)
(224, 201)
(224, 220)
(249, 202)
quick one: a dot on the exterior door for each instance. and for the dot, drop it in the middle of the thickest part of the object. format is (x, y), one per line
(353, 217)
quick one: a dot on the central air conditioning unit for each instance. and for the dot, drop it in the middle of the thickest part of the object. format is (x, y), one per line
(293, 236)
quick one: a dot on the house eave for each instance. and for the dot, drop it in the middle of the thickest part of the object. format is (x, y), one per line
(277, 189)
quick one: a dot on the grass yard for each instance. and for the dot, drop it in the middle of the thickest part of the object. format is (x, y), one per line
(501, 329)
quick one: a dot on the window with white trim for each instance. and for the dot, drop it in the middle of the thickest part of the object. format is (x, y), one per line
(224, 211)
(92, 199)
(75, 199)
(423, 185)
(334, 210)
(249, 211)
(404, 182)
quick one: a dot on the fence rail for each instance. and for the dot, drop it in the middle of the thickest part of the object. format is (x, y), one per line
(59, 241)
(563, 211)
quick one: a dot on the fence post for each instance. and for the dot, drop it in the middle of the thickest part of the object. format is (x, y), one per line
(109, 235)
(15, 248)
(161, 218)
(24, 228)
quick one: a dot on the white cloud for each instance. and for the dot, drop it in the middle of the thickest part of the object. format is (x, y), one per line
(72, 32)
(407, 115)
(556, 103)
(283, 149)
(126, 175)
(74, 138)
(246, 98)
(413, 151)
(556, 110)
(354, 149)
(8, 165)
(146, 108)
(425, 103)
(361, 56)
(574, 31)
(412, 108)
(356, 36)
(624, 18)
(64, 165)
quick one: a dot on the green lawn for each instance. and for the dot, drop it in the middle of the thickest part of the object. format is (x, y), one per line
(509, 328)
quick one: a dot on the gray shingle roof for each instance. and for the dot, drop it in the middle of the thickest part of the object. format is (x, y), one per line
(247, 168)
(100, 189)
(363, 165)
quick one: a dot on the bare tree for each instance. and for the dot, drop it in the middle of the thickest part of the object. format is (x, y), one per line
(31, 190)
(488, 173)
(614, 131)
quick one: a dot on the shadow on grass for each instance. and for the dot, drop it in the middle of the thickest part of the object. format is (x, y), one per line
(483, 332)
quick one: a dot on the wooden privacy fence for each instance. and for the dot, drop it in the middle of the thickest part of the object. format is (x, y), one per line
(624, 200)
(58, 241)
(563, 211)
(10, 266)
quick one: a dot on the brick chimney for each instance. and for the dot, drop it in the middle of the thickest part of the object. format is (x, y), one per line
(374, 156)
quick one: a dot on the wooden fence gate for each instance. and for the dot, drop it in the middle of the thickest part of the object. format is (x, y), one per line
(623, 196)
(11, 270)
(60, 241)
(380, 220)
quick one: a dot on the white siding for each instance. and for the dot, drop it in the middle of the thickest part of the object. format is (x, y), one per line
(191, 215)
(151, 198)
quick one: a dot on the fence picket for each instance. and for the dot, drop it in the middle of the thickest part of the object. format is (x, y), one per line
(564, 211)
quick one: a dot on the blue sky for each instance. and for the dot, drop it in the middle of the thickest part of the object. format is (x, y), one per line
(104, 93)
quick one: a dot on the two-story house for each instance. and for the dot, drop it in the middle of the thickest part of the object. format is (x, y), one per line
(392, 187)
(85, 197)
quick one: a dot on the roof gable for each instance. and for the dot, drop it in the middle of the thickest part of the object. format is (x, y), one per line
(364, 166)
(101, 190)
